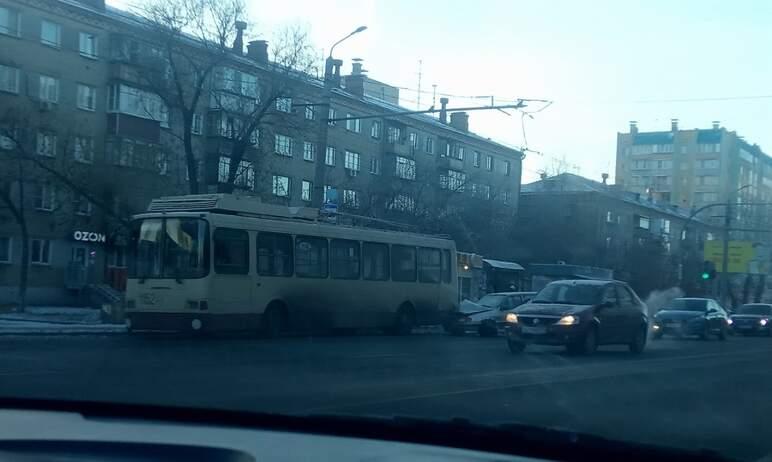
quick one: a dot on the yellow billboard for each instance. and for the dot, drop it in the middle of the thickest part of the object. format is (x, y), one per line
(744, 256)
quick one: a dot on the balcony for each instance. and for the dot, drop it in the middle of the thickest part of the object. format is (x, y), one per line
(138, 128)
(449, 163)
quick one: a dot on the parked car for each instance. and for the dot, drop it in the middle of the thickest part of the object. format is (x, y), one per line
(702, 317)
(486, 316)
(752, 318)
(581, 315)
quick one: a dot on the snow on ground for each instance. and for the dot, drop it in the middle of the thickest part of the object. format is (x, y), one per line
(56, 314)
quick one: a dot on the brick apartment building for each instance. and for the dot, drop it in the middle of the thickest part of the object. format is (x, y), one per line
(68, 72)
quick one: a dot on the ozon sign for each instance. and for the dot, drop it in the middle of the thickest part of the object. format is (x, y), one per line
(86, 236)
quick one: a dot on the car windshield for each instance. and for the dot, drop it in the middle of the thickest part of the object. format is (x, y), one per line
(491, 300)
(337, 208)
(762, 310)
(569, 293)
(685, 304)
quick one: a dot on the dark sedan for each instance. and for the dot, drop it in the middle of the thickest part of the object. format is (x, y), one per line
(753, 318)
(702, 317)
(580, 315)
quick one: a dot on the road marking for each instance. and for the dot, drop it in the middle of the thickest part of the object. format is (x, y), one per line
(538, 382)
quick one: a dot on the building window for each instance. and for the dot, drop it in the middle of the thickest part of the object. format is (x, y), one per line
(609, 217)
(310, 113)
(353, 125)
(162, 163)
(231, 251)
(708, 147)
(45, 197)
(413, 139)
(329, 156)
(457, 152)
(429, 145)
(331, 114)
(375, 261)
(9, 79)
(405, 168)
(375, 165)
(665, 226)
(46, 144)
(196, 124)
(309, 151)
(280, 186)
(352, 161)
(284, 104)
(83, 206)
(403, 263)
(9, 21)
(351, 198)
(709, 163)
(83, 150)
(393, 134)
(274, 254)
(5, 249)
(306, 187)
(49, 89)
(40, 251)
(344, 256)
(50, 34)
(402, 203)
(506, 196)
(139, 103)
(644, 222)
(88, 45)
(86, 97)
(504, 167)
(283, 145)
(489, 163)
(453, 181)
(245, 173)
(476, 157)
(311, 257)
(375, 129)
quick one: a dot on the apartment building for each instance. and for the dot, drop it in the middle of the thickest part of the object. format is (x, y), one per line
(69, 79)
(697, 167)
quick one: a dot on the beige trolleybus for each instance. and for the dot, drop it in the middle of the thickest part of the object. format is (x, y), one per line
(224, 262)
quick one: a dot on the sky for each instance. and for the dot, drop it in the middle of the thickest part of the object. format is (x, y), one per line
(601, 63)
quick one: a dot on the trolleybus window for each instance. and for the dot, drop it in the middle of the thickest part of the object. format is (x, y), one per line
(446, 273)
(274, 254)
(344, 256)
(231, 251)
(428, 265)
(171, 248)
(403, 266)
(375, 261)
(311, 257)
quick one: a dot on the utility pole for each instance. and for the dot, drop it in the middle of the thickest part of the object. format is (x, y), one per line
(418, 100)
(724, 286)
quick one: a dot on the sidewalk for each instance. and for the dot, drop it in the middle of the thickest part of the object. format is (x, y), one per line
(57, 321)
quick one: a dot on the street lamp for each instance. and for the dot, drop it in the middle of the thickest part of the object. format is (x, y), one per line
(356, 31)
(328, 65)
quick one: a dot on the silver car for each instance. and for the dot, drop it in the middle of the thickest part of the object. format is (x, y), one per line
(487, 315)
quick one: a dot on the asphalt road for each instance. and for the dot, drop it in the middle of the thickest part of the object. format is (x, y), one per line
(686, 393)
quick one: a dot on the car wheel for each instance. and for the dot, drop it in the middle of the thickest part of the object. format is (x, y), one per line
(404, 321)
(657, 335)
(722, 333)
(639, 341)
(274, 321)
(515, 347)
(585, 345)
(705, 334)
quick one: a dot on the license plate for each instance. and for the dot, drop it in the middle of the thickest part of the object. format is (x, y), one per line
(534, 330)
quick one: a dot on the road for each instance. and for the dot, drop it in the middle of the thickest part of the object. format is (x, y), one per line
(687, 393)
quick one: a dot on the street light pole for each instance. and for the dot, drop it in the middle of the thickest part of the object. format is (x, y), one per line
(724, 281)
(318, 193)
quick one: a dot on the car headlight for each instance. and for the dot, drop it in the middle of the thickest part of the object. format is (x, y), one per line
(655, 327)
(569, 320)
(511, 318)
(763, 322)
(729, 321)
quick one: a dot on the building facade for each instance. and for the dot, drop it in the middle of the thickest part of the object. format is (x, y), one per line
(697, 167)
(573, 220)
(75, 95)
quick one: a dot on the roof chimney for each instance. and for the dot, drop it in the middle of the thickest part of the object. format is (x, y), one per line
(238, 42)
(605, 178)
(674, 125)
(258, 51)
(543, 175)
(444, 110)
(356, 67)
(716, 124)
(460, 120)
(633, 127)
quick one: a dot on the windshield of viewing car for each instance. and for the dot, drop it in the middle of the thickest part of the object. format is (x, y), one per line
(682, 304)
(571, 294)
(170, 248)
(755, 309)
(491, 300)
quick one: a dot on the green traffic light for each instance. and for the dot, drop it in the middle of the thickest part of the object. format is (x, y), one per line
(706, 276)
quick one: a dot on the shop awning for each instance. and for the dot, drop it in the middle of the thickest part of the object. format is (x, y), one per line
(505, 265)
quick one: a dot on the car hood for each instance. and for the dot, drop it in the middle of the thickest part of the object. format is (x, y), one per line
(551, 309)
(677, 315)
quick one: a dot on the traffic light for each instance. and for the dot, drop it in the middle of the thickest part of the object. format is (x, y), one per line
(708, 271)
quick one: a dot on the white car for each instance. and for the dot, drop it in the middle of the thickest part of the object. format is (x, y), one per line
(487, 315)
